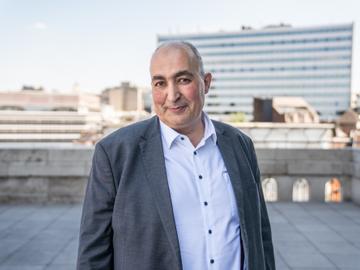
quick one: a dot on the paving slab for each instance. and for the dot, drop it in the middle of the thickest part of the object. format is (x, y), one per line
(307, 236)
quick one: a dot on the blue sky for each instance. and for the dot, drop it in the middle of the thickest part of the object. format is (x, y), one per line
(98, 44)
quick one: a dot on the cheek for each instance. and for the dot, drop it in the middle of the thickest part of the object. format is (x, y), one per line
(158, 97)
(192, 94)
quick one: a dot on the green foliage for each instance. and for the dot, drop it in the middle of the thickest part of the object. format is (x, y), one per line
(237, 117)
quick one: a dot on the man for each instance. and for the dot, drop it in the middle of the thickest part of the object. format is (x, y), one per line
(177, 191)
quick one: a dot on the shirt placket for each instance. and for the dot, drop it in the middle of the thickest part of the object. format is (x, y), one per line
(205, 200)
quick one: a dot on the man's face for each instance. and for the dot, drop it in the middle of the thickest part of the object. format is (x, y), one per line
(178, 89)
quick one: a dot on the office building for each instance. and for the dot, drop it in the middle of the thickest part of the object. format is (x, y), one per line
(122, 98)
(310, 62)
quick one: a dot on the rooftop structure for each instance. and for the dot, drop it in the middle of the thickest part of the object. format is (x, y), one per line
(349, 122)
(294, 135)
(285, 110)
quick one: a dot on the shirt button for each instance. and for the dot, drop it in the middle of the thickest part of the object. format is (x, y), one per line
(200, 176)
(205, 203)
(210, 231)
(182, 138)
(212, 261)
(195, 153)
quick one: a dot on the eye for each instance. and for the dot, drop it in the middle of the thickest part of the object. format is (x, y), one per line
(159, 83)
(184, 80)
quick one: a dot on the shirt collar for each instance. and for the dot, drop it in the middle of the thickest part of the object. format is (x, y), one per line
(170, 134)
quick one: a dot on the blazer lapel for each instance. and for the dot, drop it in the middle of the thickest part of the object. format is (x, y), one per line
(238, 171)
(154, 164)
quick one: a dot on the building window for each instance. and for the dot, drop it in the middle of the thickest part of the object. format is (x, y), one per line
(333, 191)
(301, 190)
(270, 189)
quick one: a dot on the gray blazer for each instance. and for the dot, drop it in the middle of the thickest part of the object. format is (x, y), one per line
(128, 222)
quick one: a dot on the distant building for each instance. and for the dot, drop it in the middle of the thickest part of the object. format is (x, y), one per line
(39, 100)
(284, 110)
(121, 98)
(33, 115)
(310, 62)
(294, 135)
(357, 102)
(147, 97)
(349, 123)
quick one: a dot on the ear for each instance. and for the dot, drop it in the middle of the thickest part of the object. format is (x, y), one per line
(207, 81)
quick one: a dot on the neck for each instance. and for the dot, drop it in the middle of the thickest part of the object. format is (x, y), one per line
(194, 133)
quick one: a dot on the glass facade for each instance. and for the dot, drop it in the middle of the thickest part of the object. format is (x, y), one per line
(311, 62)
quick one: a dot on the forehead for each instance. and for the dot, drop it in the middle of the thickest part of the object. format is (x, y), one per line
(169, 60)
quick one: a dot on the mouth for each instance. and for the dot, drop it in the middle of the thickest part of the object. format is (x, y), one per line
(177, 109)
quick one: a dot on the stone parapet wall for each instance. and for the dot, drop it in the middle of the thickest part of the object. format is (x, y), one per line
(355, 190)
(44, 174)
(317, 166)
(59, 174)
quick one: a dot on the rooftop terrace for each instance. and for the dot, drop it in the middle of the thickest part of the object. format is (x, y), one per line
(306, 236)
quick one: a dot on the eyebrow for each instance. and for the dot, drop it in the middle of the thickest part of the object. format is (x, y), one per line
(157, 77)
(176, 75)
(182, 73)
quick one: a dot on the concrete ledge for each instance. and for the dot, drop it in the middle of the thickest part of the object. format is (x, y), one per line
(59, 174)
(355, 190)
(315, 167)
(355, 187)
(271, 167)
(305, 154)
(356, 163)
(40, 190)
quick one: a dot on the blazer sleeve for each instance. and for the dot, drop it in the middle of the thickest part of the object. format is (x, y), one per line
(95, 243)
(265, 222)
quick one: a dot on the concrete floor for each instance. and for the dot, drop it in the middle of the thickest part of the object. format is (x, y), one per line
(306, 236)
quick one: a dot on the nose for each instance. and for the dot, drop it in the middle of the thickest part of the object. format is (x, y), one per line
(173, 93)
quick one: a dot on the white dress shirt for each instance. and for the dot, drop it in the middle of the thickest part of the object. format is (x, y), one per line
(203, 201)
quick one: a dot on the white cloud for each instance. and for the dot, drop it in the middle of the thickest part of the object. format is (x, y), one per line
(40, 25)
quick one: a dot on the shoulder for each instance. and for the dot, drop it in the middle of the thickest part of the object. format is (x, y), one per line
(129, 135)
(238, 139)
(231, 131)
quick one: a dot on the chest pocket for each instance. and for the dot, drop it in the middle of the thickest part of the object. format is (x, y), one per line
(231, 194)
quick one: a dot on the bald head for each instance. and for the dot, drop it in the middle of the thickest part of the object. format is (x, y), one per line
(192, 53)
(179, 86)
